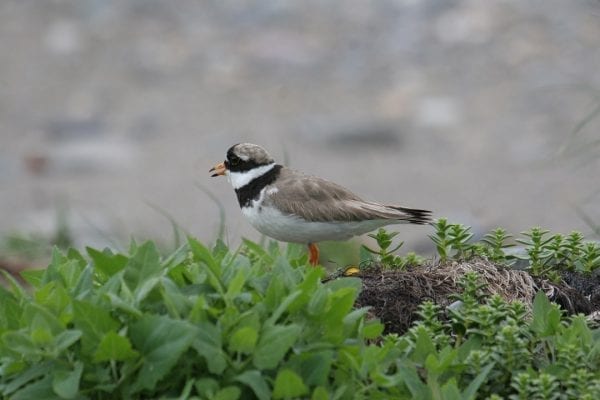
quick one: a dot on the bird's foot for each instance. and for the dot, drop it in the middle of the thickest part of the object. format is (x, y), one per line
(313, 254)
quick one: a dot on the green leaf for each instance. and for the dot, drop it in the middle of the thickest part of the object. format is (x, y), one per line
(228, 393)
(256, 382)
(274, 342)
(114, 347)
(413, 382)
(450, 390)
(320, 393)
(288, 384)
(202, 254)
(424, 346)
(283, 306)
(106, 262)
(33, 276)
(33, 373)
(93, 321)
(258, 250)
(314, 367)
(15, 286)
(20, 342)
(209, 345)
(65, 383)
(41, 389)
(65, 339)
(235, 285)
(161, 341)
(142, 266)
(373, 329)
(471, 391)
(243, 340)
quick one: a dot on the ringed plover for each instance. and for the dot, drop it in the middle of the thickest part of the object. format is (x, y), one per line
(290, 206)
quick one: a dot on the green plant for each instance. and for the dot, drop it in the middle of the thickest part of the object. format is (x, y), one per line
(572, 247)
(452, 240)
(199, 323)
(495, 243)
(536, 247)
(492, 345)
(385, 255)
(590, 257)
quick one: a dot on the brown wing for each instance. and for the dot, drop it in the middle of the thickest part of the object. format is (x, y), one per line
(316, 199)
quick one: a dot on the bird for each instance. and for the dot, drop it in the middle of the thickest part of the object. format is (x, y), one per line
(290, 206)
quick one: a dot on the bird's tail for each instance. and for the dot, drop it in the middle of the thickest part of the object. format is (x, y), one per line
(414, 216)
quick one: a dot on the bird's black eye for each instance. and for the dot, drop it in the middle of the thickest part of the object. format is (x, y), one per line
(234, 160)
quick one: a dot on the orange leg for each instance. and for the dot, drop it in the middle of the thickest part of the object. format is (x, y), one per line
(313, 254)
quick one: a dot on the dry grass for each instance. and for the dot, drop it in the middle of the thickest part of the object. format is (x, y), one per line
(394, 295)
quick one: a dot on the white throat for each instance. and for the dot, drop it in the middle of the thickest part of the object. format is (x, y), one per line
(241, 179)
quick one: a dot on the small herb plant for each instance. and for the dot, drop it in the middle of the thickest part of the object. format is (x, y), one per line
(385, 256)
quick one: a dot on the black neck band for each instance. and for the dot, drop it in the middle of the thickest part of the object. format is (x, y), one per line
(251, 191)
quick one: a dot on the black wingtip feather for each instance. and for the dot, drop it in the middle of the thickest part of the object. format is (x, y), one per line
(416, 216)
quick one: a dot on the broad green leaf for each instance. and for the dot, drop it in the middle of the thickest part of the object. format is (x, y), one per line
(317, 304)
(52, 272)
(273, 344)
(413, 382)
(450, 390)
(235, 285)
(203, 255)
(65, 339)
(206, 387)
(243, 340)
(142, 266)
(106, 262)
(33, 276)
(10, 311)
(20, 342)
(70, 271)
(41, 389)
(314, 367)
(228, 393)
(118, 303)
(15, 286)
(93, 321)
(283, 306)
(320, 393)
(55, 298)
(38, 317)
(208, 344)
(424, 346)
(373, 329)
(256, 382)
(345, 282)
(546, 316)
(161, 341)
(259, 251)
(85, 284)
(114, 347)
(471, 391)
(288, 384)
(32, 373)
(65, 383)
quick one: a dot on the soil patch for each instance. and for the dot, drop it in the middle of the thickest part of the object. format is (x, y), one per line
(394, 296)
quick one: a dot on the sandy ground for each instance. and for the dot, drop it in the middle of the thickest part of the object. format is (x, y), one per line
(115, 110)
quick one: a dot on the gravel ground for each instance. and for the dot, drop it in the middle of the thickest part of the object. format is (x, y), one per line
(115, 110)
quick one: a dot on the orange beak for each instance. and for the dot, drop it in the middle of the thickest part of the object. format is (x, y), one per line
(218, 169)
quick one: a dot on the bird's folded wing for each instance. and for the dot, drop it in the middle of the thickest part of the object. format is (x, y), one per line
(318, 200)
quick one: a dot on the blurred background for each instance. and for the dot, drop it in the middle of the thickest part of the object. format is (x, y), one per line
(112, 112)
